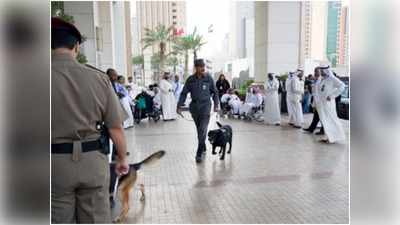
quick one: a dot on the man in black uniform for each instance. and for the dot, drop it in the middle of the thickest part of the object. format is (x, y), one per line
(201, 87)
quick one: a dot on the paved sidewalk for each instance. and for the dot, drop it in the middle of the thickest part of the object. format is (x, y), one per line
(274, 175)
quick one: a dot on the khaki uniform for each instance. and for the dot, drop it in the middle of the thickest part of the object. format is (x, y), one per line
(80, 97)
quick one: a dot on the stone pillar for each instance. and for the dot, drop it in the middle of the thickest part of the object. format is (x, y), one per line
(277, 38)
(106, 55)
(83, 13)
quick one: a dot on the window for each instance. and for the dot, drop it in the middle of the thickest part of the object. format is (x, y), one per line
(174, 4)
(174, 10)
(173, 17)
(174, 23)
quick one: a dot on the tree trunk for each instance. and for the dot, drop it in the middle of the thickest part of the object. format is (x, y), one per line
(194, 55)
(185, 75)
(162, 56)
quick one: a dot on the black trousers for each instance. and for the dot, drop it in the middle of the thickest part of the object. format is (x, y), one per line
(315, 121)
(201, 122)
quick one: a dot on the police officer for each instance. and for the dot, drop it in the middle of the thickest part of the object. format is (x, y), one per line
(81, 99)
(201, 87)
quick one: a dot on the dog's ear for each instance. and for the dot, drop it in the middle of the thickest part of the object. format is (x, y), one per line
(219, 124)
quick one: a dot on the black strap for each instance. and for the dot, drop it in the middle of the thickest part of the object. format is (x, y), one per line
(67, 148)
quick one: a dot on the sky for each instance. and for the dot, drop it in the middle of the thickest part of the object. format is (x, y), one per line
(202, 14)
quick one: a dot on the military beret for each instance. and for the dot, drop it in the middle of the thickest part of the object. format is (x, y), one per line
(57, 24)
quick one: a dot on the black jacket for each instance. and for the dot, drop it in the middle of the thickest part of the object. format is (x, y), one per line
(222, 86)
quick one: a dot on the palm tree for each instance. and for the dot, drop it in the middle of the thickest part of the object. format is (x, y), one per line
(190, 42)
(173, 61)
(197, 42)
(182, 46)
(160, 36)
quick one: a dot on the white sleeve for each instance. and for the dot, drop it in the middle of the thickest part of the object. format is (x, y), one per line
(276, 85)
(338, 87)
(163, 86)
(296, 86)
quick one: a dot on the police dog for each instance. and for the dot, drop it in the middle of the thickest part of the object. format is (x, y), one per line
(126, 182)
(220, 138)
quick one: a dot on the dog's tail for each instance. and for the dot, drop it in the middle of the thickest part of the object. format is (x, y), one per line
(150, 159)
(219, 124)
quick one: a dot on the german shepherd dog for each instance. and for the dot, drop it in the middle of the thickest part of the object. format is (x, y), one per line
(220, 138)
(126, 182)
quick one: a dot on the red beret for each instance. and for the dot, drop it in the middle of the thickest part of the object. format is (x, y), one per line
(59, 24)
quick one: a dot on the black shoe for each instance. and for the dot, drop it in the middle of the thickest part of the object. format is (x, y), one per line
(308, 130)
(320, 133)
(198, 159)
(277, 124)
(298, 127)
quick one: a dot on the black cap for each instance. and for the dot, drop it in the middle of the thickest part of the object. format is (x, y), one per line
(58, 24)
(199, 62)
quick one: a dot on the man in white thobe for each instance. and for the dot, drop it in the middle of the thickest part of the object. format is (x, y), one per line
(329, 88)
(125, 100)
(233, 101)
(135, 90)
(168, 101)
(252, 100)
(295, 90)
(157, 98)
(272, 113)
(178, 87)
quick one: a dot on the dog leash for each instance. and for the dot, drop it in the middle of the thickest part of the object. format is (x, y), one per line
(115, 188)
(217, 116)
(183, 117)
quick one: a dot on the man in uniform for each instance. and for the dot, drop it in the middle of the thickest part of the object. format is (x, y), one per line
(201, 87)
(82, 98)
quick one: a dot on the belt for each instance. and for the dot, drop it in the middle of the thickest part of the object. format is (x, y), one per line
(201, 101)
(67, 148)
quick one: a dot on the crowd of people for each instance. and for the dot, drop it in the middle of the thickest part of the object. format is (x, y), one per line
(317, 93)
(302, 95)
(89, 109)
(162, 96)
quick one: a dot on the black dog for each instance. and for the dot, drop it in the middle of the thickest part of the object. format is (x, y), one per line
(219, 138)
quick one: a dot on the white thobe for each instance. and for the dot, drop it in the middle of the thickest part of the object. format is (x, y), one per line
(272, 114)
(126, 104)
(157, 100)
(168, 101)
(252, 100)
(135, 89)
(235, 103)
(295, 89)
(330, 86)
(225, 98)
(178, 89)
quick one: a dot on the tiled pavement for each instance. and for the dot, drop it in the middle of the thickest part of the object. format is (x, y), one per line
(274, 175)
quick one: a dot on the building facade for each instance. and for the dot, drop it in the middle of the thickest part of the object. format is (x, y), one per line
(277, 38)
(150, 14)
(241, 39)
(332, 38)
(343, 45)
(106, 27)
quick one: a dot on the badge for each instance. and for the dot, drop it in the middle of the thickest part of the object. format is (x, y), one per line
(204, 87)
